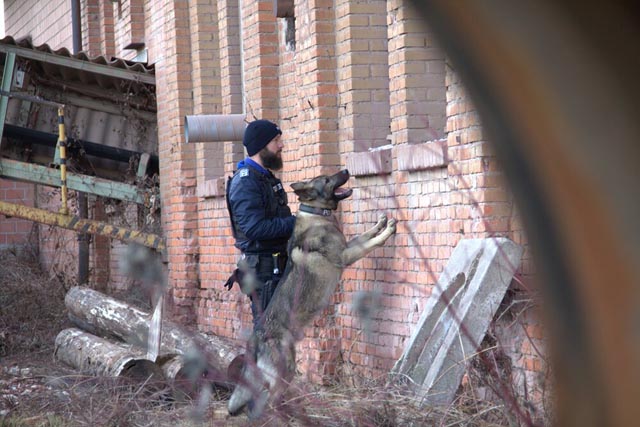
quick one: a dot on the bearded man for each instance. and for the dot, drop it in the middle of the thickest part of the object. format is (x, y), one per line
(260, 216)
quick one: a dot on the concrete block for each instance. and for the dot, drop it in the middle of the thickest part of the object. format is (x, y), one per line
(457, 316)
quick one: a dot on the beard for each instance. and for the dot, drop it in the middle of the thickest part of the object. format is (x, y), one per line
(271, 160)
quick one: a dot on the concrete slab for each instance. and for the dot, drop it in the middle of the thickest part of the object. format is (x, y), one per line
(457, 316)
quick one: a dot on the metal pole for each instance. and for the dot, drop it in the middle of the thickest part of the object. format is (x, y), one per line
(62, 145)
(76, 26)
(83, 205)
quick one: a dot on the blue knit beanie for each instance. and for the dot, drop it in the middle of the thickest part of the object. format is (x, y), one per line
(258, 134)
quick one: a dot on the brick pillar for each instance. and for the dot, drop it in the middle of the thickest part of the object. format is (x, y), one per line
(363, 73)
(98, 27)
(416, 75)
(230, 72)
(481, 206)
(229, 52)
(90, 26)
(129, 25)
(172, 37)
(316, 148)
(205, 46)
(16, 231)
(310, 93)
(260, 49)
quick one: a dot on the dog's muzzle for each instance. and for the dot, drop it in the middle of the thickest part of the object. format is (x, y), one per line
(340, 179)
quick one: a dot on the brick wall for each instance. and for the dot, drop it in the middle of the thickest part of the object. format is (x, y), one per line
(15, 232)
(359, 77)
(58, 248)
(128, 16)
(45, 22)
(177, 160)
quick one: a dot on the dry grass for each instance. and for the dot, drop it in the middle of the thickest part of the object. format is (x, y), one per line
(31, 305)
(35, 390)
(378, 404)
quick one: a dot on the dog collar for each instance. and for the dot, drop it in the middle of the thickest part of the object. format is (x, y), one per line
(316, 211)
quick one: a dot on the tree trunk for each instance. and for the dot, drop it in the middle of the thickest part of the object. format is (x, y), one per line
(203, 355)
(96, 356)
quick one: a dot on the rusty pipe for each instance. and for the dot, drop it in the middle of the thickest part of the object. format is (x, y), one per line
(72, 222)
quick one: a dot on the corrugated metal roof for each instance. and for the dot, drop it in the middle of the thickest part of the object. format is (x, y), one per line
(108, 102)
(79, 67)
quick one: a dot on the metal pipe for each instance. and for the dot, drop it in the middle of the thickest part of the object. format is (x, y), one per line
(90, 148)
(83, 206)
(214, 128)
(73, 222)
(30, 98)
(62, 144)
(76, 26)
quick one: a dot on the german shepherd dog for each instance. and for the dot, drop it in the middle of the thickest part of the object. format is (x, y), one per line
(318, 252)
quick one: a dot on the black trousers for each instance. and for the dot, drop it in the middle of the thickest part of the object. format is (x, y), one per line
(267, 283)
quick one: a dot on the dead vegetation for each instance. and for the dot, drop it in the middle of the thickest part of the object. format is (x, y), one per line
(35, 390)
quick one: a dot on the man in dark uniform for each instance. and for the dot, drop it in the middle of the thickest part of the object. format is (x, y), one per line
(261, 219)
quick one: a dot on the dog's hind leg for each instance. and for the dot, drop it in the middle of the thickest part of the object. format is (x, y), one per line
(264, 380)
(247, 389)
(276, 362)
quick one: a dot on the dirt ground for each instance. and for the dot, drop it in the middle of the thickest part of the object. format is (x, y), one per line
(37, 390)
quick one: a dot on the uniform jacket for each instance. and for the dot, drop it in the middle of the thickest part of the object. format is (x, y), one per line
(261, 218)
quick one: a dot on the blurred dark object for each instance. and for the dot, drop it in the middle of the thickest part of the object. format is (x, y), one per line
(557, 89)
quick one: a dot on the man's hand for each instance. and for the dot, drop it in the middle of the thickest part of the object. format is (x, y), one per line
(232, 279)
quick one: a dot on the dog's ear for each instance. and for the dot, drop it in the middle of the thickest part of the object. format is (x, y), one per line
(304, 191)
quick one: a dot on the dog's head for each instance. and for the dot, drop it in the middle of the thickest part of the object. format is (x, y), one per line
(323, 191)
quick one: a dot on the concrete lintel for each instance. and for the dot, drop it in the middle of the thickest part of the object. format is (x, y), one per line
(457, 316)
(375, 162)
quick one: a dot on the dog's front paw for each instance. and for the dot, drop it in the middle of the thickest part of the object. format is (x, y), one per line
(391, 225)
(382, 222)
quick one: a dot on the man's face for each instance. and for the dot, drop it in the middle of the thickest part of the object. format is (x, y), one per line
(271, 154)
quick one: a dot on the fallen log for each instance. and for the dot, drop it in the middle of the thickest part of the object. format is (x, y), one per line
(99, 314)
(97, 356)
